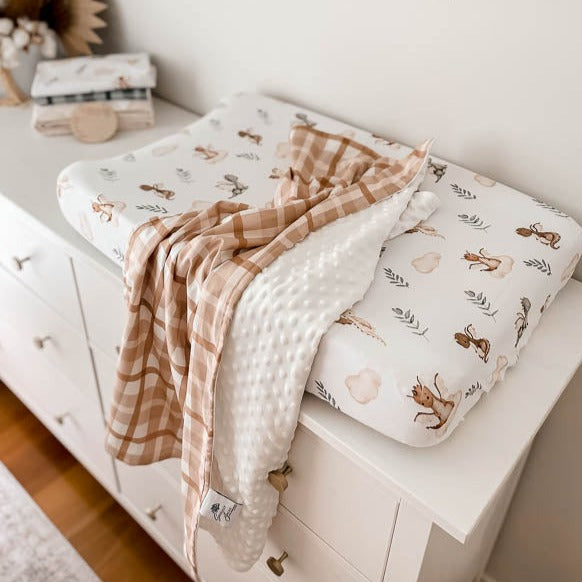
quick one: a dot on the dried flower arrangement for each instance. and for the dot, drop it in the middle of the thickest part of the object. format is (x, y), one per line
(26, 23)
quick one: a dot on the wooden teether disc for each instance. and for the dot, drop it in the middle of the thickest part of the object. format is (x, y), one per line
(94, 122)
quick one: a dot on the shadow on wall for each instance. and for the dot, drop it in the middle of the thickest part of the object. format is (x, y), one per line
(541, 538)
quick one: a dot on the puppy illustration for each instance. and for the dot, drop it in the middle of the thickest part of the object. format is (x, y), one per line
(548, 238)
(253, 137)
(482, 346)
(159, 191)
(441, 408)
(108, 210)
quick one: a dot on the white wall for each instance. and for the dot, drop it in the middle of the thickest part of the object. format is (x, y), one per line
(497, 82)
(541, 539)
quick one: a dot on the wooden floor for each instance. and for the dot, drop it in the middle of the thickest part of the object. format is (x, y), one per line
(111, 542)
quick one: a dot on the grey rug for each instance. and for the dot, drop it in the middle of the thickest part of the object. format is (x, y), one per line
(31, 548)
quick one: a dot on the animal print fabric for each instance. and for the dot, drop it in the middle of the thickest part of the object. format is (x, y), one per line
(451, 303)
(184, 275)
(458, 296)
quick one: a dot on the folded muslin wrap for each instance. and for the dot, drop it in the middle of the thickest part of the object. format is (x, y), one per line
(94, 73)
(56, 119)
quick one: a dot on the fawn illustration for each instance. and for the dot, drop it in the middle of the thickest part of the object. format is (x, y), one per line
(348, 317)
(548, 238)
(159, 190)
(384, 141)
(437, 170)
(302, 119)
(482, 346)
(255, 138)
(232, 184)
(497, 266)
(108, 210)
(489, 263)
(207, 153)
(440, 407)
(277, 173)
(521, 321)
(424, 228)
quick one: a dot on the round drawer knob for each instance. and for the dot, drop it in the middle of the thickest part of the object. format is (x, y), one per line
(278, 479)
(151, 512)
(276, 564)
(40, 342)
(18, 263)
(60, 418)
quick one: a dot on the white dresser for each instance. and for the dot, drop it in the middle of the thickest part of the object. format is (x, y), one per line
(359, 507)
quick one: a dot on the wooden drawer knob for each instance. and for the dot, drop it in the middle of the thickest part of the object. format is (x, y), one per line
(276, 564)
(40, 342)
(278, 478)
(60, 418)
(18, 263)
(151, 512)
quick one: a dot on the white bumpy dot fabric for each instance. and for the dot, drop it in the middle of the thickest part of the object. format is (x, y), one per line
(267, 359)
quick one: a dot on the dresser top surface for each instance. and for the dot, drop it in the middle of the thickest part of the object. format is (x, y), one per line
(452, 483)
(31, 162)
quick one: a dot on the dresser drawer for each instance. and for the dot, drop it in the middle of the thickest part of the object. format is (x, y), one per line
(213, 567)
(41, 265)
(49, 336)
(105, 368)
(309, 558)
(342, 504)
(78, 422)
(75, 419)
(16, 366)
(103, 307)
(156, 496)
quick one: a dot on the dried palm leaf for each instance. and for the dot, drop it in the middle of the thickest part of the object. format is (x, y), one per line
(75, 22)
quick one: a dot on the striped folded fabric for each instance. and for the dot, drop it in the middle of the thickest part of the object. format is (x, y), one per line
(184, 276)
(113, 95)
(52, 120)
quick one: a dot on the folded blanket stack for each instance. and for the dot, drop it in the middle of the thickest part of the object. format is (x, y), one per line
(123, 80)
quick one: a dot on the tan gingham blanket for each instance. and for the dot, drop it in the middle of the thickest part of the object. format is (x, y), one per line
(184, 276)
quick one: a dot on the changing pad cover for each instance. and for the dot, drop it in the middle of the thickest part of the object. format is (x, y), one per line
(452, 302)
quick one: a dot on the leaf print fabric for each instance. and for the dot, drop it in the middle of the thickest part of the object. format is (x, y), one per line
(394, 278)
(540, 264)
(481, 302)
